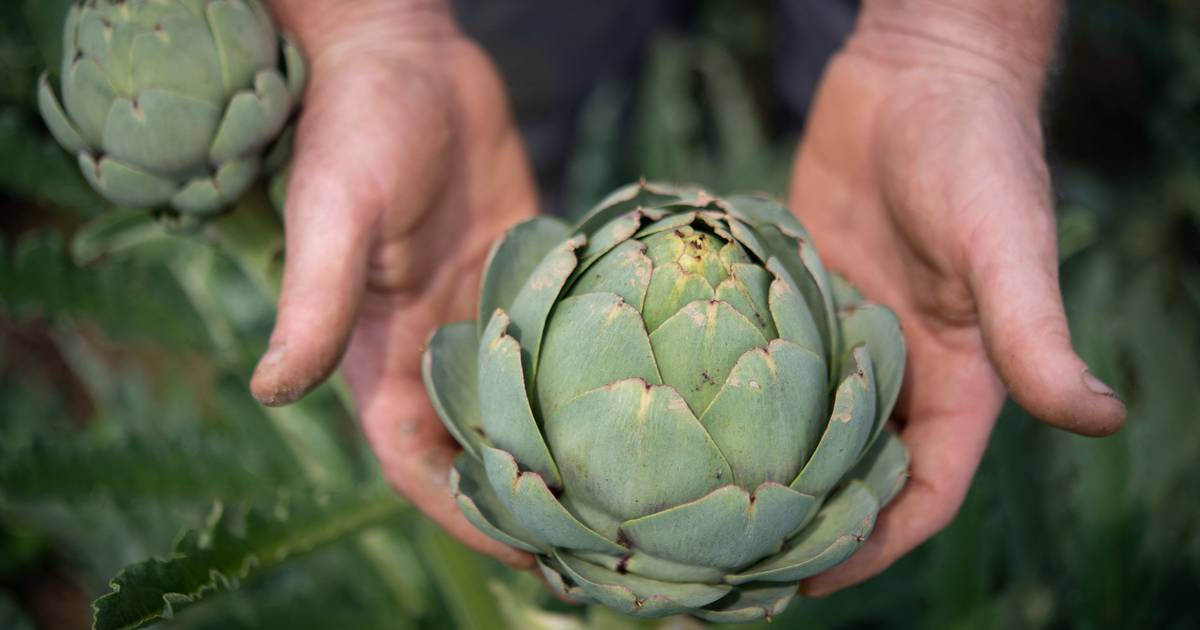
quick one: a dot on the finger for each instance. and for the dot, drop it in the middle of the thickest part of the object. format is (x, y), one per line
(946, 438)
(416, 454)
(1014, 280)
(328, 224)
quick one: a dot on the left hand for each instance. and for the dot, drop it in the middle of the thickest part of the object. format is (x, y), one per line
(922, 180)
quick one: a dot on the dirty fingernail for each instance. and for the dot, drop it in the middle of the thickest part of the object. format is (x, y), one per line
(1097, 386)
(265, 384)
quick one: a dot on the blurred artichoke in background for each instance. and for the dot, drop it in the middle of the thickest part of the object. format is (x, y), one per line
(172, 102)
(672, 404)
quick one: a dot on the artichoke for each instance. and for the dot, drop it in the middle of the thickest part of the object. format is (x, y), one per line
(172, 101)
(673, 404)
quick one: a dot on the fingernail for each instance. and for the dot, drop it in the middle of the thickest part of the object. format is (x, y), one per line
(1097, 386)
(265, 385)
(274, 356)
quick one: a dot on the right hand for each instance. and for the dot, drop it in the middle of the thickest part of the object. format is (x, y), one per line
(407, 167)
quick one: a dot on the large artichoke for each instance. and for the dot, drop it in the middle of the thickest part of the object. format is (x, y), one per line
(672, 404)
(172, 101)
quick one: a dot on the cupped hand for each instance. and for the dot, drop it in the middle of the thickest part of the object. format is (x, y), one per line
(922, 180)
(407, 167)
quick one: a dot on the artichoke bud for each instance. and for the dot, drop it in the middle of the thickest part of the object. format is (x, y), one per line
(172, 103)
(672, 404)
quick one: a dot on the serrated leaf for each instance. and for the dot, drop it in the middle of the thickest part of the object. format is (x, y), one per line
(228, 550)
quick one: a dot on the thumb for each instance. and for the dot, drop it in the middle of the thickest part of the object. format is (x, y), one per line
(1014, 280)
(328, 229)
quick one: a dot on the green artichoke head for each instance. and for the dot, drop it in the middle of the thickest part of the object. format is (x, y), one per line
(672, 404)
(172, 102)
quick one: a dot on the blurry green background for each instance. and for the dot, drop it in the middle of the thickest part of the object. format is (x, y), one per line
(125, 350)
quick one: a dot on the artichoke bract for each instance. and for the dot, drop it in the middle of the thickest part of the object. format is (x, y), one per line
(172, 102)
(672, 404)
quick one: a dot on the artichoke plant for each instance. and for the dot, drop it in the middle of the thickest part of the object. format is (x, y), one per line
(672, 404)
(172, 101)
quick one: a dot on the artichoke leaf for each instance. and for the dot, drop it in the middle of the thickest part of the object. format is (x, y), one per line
(877, 328)
(672, 221)
(769, 413)
(839, 529)
(671, 288)
(481, 506)
(449, 367)
(732, 253)
(816, 293)
(509, 423)
(749, 602)
(791, 314)
(592, 340)
(760, 209)
(697, 348)
(884, 467)
(643, 564)
(88, 97)
(615, 232)
(747, 290)
(235, 177)
(206, 195)
(532, 306)
(625, 271)
(552, 573)
(850, 426)
(125, 185)
(295, 68)
(717, 223)
(611, 444)
(56, 118)
(253, 118)
(749, 239)
(623, 200)
(684, 194)
(244, 42)
(512, 260)
(635, 595)
(179, 56)
(845, 295)
(533, 506)
(161, 132)
(748, 526)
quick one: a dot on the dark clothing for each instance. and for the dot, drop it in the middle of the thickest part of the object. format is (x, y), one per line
(553, 53)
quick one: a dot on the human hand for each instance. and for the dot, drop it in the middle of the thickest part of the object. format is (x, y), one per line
(922, 179)
(407, 167)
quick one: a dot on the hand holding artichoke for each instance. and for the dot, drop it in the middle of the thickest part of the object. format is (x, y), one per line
(673, 405)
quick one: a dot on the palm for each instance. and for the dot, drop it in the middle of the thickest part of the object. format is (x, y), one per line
(928, 190)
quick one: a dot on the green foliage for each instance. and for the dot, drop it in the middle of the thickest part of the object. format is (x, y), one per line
(39, 278)
(209, 466)
(226, 551)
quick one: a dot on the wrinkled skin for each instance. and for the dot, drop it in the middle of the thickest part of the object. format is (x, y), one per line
(935, 168)
(399, 106)
(920, 180)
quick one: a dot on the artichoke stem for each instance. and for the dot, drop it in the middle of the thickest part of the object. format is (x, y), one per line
(251, 233)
